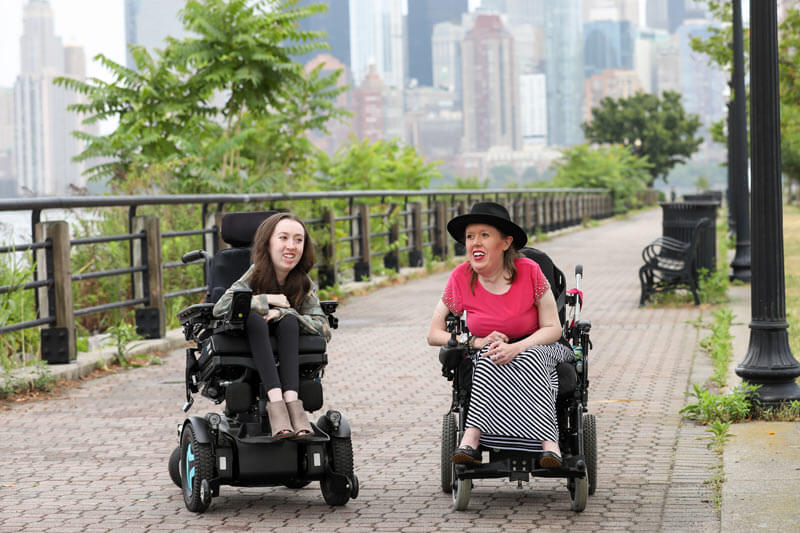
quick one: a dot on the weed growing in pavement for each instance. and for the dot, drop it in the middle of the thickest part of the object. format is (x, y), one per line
(719, 434)
(719, 345)
(709, 407)
(787, 412)
(716, 480)
(712, 288)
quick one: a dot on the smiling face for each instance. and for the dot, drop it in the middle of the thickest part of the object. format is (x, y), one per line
(286, 247)
(485, 248)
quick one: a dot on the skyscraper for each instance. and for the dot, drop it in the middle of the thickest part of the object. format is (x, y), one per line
(490, 87)
(422, 16)
(149, 22)
(564, 70)
(336, 23)
(8, 182)
(446, 52)
(608, 45)
(44, 145)
(376, 38)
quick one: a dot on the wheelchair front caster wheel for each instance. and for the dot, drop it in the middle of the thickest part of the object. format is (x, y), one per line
(462, 489)
(578, 493)
(175, 466)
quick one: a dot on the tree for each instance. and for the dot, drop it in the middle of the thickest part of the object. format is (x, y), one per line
(225, 109)
(611, 167)
(788, 56)
(647, 125)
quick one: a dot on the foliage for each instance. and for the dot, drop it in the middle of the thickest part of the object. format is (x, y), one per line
(472, 182)
(17, 305)
(719, 344)
(789, 79)
(610, 167)
(123, 334)
(647, 125)
(223, 110)
(712, 288)
(719, 434)
(709, 407)
(502, 174)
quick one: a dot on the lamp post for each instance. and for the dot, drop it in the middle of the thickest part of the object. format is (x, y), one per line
(738, 134)
(769, 361)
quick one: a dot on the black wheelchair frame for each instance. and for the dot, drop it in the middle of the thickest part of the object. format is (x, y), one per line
(577, 428)
(235, 447)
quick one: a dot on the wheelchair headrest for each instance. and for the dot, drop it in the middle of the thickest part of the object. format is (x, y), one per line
(238, 229)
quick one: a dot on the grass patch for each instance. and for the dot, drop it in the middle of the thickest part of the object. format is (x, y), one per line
(719, 345)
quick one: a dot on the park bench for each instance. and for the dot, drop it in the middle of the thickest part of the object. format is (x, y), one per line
(671, 264)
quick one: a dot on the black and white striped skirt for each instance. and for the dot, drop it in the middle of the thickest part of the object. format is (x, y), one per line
(514, 404)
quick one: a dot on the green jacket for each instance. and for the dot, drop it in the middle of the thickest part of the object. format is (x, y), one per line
(310, 316)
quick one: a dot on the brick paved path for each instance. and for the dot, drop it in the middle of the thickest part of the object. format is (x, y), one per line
(95, 458)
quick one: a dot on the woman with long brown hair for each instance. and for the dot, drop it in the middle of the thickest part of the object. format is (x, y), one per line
(285, 305)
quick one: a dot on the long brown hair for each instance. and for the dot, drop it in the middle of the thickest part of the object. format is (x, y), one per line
(264, 280)
(508, 266)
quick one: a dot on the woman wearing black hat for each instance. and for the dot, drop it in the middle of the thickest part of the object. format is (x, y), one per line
(513, 316)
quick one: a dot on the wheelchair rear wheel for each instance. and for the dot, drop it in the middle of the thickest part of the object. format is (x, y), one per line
(196, 468)
(448, 449)
(590, 450)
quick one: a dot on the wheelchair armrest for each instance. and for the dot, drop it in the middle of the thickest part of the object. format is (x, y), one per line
(197, 313)
(451, 356)
(239, 310)
(329, 307)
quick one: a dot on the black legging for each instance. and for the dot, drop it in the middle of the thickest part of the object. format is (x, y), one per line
(287, 333)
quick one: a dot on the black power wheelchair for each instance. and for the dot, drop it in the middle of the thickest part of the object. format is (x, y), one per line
(236, 447)
(576, 427)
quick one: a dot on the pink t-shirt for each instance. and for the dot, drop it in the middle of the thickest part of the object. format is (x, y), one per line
(513, 313)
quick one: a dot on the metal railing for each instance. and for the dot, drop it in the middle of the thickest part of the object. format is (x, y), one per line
(352, 230)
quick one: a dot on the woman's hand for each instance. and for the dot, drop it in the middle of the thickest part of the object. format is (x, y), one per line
(494, 336)
(500, 352)
(278, 300)
(272, 314)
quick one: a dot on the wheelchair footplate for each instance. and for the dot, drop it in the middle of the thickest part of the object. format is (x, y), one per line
(519, 466)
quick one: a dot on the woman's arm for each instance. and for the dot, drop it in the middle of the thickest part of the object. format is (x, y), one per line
(437, 332)
(259, 302)
(312, 319)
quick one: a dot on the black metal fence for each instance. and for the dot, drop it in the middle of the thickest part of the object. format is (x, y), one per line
(353, 232)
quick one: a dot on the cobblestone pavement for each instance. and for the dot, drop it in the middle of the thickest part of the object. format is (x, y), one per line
(95, 457)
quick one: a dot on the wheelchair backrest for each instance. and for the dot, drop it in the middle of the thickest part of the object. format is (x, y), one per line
(555, 277)
(229, 264)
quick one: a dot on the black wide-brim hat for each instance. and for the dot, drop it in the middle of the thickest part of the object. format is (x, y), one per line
(487, 213)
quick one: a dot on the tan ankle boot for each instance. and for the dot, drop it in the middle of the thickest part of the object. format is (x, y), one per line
(300, 424)
(279, 421)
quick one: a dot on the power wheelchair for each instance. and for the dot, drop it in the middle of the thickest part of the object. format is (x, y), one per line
(576, 427)
(235, 447)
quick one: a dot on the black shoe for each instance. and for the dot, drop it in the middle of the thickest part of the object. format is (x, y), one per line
(550, 460)
(467, 455)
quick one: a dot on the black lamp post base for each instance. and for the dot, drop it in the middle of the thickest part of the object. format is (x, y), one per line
(740, 266)
(775, 394)
(769, 363)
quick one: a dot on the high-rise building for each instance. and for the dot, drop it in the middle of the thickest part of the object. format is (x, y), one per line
(423, 15)
(645, 57)
(564, 70)
(335, 23)
(490, 87)
(609, 84)
(608, 45)
(376, 38)
(44, 144)
(533, 108)
(703, 86)
(368, 103)
(8, 180)
(446, 51)
(148, 23)
(669, 14)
